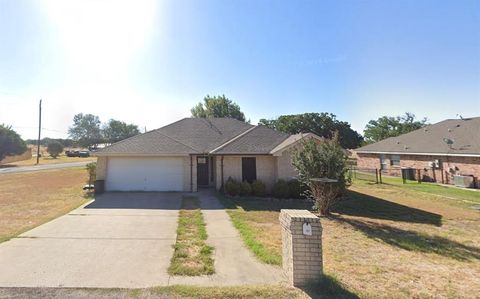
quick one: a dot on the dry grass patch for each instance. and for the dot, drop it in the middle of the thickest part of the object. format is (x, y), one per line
(32, 198)
(192, 256)
(389, 241)
(174, 292)
(50, 160)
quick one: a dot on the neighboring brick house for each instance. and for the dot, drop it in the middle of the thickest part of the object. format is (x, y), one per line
(198, 152)
(444, 149)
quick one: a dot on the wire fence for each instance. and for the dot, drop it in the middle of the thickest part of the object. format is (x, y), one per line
(400, 175)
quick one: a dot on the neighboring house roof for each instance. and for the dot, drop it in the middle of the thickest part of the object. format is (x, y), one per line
(463, 134)
(199, 136)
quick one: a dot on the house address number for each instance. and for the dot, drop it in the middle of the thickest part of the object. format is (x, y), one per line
(307, 229)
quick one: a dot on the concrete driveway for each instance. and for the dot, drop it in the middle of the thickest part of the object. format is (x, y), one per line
(119, 240)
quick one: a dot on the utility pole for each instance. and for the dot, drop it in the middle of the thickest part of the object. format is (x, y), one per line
(39, 129)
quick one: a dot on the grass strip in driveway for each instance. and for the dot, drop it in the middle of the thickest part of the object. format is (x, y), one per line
(192, 256)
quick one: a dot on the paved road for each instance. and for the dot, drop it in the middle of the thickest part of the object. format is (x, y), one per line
(42, 167)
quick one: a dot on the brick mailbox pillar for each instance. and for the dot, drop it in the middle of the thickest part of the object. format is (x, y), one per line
(301, 246)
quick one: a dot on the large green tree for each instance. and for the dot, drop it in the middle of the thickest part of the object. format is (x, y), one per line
(116, 130)
(217, 106)
(321, 124)
(10, 142)
(86, 130)
(391, 126)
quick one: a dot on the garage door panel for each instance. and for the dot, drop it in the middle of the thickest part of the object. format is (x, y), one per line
(145, 174)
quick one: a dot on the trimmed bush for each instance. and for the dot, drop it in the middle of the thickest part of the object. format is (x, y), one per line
(296, 189)
(232, 187)
(245, 189)
(280, 189)
(258, 188)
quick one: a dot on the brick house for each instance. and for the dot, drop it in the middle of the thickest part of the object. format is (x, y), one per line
(450, 147)
(196, 152)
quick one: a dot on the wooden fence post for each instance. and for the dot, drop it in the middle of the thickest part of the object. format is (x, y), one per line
(419, 180)
(376, 175)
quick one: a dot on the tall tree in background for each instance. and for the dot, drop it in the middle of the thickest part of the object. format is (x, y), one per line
(86, 130)
(217, 106)
(321, 124)
(388, 126)
(10, 142)
(116, 130)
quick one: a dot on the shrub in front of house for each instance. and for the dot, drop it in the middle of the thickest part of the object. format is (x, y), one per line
(296, 189)
(232, 187)
(245, 189)
(258, 188)
(280, 189)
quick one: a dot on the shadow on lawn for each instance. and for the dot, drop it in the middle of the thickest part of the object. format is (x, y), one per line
(412, 240)
(264, 204)
(362, 205)
(328, 287)
(356, 204)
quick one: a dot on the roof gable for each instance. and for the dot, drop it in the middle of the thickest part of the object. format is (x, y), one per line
(259, 140)
(205, 134)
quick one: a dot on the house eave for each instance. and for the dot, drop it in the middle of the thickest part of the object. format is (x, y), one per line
(140, 155)
(419, 154)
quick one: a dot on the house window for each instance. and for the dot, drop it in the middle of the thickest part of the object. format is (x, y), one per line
(383, 162)
(249, 169)
(395, 160)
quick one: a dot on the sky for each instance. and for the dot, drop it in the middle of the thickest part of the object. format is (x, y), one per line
(148, 62)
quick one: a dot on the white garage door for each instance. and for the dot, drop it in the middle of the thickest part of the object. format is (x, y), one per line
(145, 174)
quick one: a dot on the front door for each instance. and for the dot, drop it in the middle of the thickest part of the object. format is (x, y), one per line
(202, 171)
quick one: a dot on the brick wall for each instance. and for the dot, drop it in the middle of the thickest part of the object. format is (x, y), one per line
(232, 167)
(448, 165)
(301, 253)
(285, 169)
(102, 168)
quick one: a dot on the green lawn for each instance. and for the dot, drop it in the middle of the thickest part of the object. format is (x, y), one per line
(459, 196)
(192, 256)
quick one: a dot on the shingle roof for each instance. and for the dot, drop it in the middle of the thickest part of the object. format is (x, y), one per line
(259, 140)
(150, 143)
(200, 135)
(465, 134)
(205, 134)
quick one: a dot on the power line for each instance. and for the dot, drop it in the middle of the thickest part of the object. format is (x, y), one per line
(46, 129)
